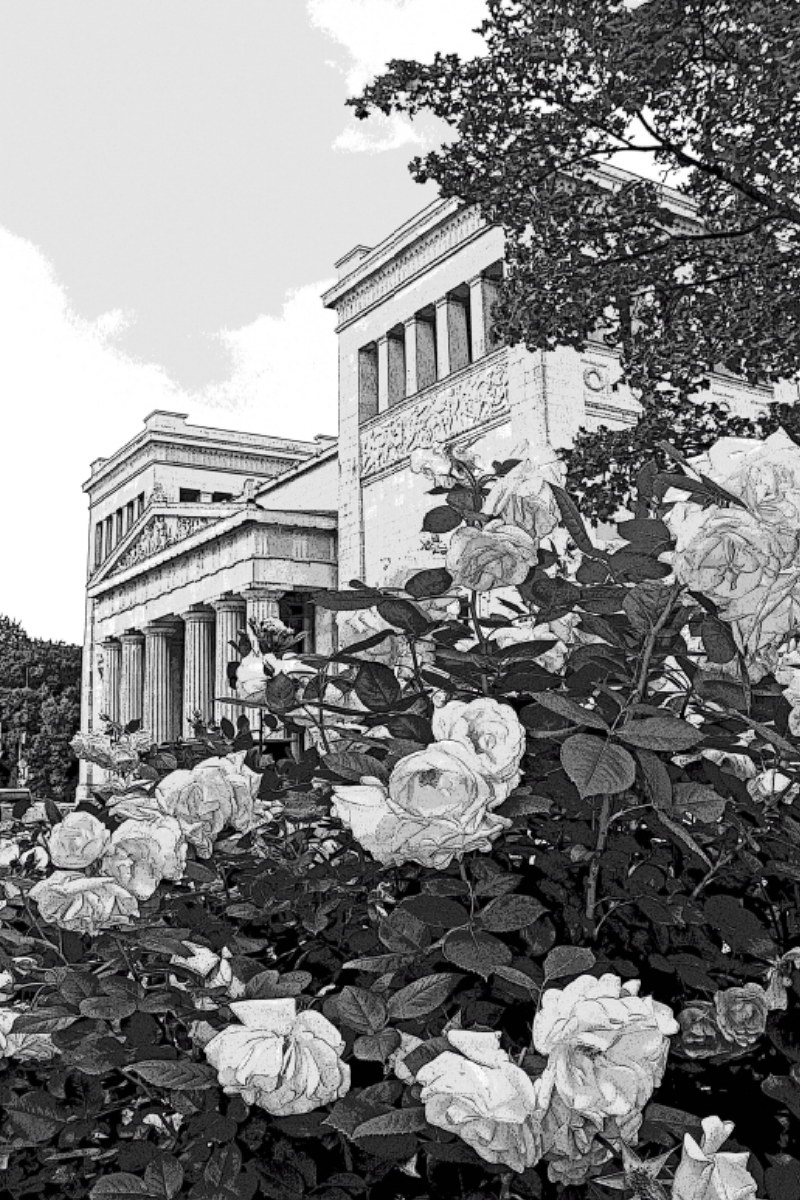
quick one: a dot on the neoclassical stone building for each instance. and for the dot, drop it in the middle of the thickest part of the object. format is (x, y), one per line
(181, 555)
(193, 530)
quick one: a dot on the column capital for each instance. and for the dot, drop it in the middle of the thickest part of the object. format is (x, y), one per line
(162, 628)
(111, 643)
(263, 591)
(198, 613)
(384, 337)
(133, 638)
(234, 604)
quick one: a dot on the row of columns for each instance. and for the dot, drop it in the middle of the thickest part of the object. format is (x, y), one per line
(174, 667)
(431, 350)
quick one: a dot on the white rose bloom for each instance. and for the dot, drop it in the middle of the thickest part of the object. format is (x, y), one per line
(745, 559)
(497, 555)
(707, 1173)
(284, 1061)
(490, 729)
(433, 463)
(219, 792)
(83, 904)
(523, 497)
(607, 1046)
(77, 841)
(485, 1099)
(142, 853)
(437, 807)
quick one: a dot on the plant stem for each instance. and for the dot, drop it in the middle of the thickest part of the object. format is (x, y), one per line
(476, 625)
(650, 645)
(603, 825)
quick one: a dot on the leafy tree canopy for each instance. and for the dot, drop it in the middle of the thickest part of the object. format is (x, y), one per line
(682, 280)
(39, 695)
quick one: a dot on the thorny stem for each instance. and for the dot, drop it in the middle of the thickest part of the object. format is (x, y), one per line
(473, 608)
(650, 645)
(721, 862)
(603, 825)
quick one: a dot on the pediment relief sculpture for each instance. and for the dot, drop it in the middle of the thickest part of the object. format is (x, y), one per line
(159, 533)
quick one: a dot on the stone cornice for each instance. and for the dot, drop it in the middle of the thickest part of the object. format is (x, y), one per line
(408, 254)
(432, 234)
(251, 515)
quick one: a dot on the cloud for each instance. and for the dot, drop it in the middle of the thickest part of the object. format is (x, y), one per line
(70, 395)
(283, 370)
(374, 31)
(371, 32)
(378, 135)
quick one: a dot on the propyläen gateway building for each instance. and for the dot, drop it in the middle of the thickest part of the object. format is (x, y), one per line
(194, 530)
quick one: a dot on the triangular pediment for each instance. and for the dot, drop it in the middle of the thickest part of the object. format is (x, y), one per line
(158, 532)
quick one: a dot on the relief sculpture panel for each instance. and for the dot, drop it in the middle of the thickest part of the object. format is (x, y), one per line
(158, 534)
(439, 415)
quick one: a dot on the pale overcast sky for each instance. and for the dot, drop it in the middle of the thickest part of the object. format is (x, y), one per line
(178, 178)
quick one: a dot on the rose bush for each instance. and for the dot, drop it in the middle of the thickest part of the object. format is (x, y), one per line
(516, 917)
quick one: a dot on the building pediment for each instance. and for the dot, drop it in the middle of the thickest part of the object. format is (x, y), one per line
(156, 530)
(159, 532)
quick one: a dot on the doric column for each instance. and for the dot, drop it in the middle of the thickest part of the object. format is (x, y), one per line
(412, 362)
(383, 373)
(397, 368)
(231, 618)
(482, 296)
(324, 631)
(262, 601)
(442, 338)
(198, 665)
(131, 688)
(176, 680)
(112, 666)
(157, 697)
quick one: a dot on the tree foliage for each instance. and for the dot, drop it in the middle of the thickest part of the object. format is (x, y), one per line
(681, 281)
(40, 696)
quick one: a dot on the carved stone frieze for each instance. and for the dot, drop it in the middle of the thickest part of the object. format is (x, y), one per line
(438, 415)
(159, 533)
(420, 254)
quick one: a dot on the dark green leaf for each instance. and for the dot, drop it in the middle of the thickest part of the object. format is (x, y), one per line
(509, 913)
(433, 582)
(421, 997)
(660, 733)
(362, 1010)
(441, 520)
(377, 687)
(476, 951)
(596, 766)
(175, 1075)
(558, 703)
(568, 960)
(740, 928)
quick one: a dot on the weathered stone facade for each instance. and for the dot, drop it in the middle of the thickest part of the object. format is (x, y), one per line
(193, 530)
(182, 554)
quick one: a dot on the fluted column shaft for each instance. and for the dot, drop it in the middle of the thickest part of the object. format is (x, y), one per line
(112, 669)
(176, 681)
(262, 602)
(231, 618)
(131, 691)
(157, 697)
(198, 665)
